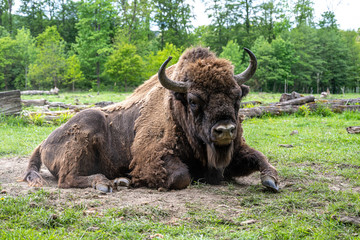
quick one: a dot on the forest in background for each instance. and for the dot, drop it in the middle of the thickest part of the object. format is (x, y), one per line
(116, 44)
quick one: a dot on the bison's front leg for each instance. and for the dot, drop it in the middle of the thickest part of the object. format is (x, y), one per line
(97, 181)
(248, 160)
(178, 176)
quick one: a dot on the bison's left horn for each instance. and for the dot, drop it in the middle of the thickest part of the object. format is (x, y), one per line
(175, 86)
(250, 71)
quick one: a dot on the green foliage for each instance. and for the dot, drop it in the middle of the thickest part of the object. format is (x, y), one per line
(303, 111)
(124, 66)
(275, 61)
(323, 111)
(233, 53)
(73, 73)
(154, 60)
(173, 18)
(93, 40)
(49, 66)
(8, 57)
(26, 46)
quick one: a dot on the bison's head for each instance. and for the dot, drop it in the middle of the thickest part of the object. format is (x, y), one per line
(208, 94)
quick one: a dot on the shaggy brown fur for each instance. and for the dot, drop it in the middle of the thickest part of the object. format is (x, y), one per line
(157, 137)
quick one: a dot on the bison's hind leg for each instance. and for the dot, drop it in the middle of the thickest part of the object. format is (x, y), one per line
(32, 175)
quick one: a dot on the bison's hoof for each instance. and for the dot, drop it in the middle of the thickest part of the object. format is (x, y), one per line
(103, 187)
(270, 183)
(121, 182)
(34, 179)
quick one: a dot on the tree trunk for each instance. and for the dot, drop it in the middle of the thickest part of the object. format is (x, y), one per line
(26, 77)
(98, 74)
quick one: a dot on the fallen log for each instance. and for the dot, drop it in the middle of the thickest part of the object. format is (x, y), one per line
(297, 101)
(35, 102)
(10, 102)
(66, 106)
(289, 96)
(350, 101)
(53, 91)
(289, 109)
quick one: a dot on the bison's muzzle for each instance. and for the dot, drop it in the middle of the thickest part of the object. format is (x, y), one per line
(223, 133)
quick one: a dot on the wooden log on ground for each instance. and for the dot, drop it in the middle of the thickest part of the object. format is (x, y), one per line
(297, 101)
(53, 91)
(350, 101)
(289, 96)
(35, 102)
(290, 109)
(10, 102)
(273, 110)
(66, 106)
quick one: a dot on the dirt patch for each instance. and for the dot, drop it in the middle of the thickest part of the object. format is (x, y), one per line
(223, 199)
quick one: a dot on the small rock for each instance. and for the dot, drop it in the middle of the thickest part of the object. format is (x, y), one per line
(294, 132)
(3, 191)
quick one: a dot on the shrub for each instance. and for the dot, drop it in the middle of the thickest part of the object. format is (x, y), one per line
(323, 110)
(303, 111)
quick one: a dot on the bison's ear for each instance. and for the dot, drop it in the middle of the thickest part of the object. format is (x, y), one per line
(245, 90)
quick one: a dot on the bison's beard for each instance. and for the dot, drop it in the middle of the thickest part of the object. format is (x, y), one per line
(219, 157)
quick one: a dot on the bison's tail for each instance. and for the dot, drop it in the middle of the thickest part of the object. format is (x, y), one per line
(32, 175)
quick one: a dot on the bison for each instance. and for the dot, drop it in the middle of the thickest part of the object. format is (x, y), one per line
(180, 125)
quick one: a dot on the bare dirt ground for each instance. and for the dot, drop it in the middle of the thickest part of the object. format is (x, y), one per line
(222, 199)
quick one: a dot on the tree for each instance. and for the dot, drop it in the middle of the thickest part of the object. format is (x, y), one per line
(93, 40)
(274, 61)
(66, 20)
(233, 53)
(8, 57)
(273, 19)
(304, 12)
(154, 60)
(336, 56)
(173, 18)
(6, 15)
(309, 67)
(73, 71)
(27, 49)
(34, 16)
(125, 66)
(48, 67)
(328, 20)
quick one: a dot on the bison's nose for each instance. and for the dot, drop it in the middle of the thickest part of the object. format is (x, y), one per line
(223, 133)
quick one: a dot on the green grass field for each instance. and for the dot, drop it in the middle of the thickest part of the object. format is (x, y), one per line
(320, 187)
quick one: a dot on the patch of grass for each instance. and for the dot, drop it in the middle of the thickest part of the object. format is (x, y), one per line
(19, 138)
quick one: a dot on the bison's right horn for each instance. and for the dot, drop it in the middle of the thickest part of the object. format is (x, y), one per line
(175, 86)
(250, 71)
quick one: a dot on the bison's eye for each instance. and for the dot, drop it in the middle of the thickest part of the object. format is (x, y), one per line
(194, 102)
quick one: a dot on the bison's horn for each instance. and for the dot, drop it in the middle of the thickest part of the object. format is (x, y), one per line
(175, 86)
(250, 71)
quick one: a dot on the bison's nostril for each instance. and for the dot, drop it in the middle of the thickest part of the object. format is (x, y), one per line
(224, 131)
